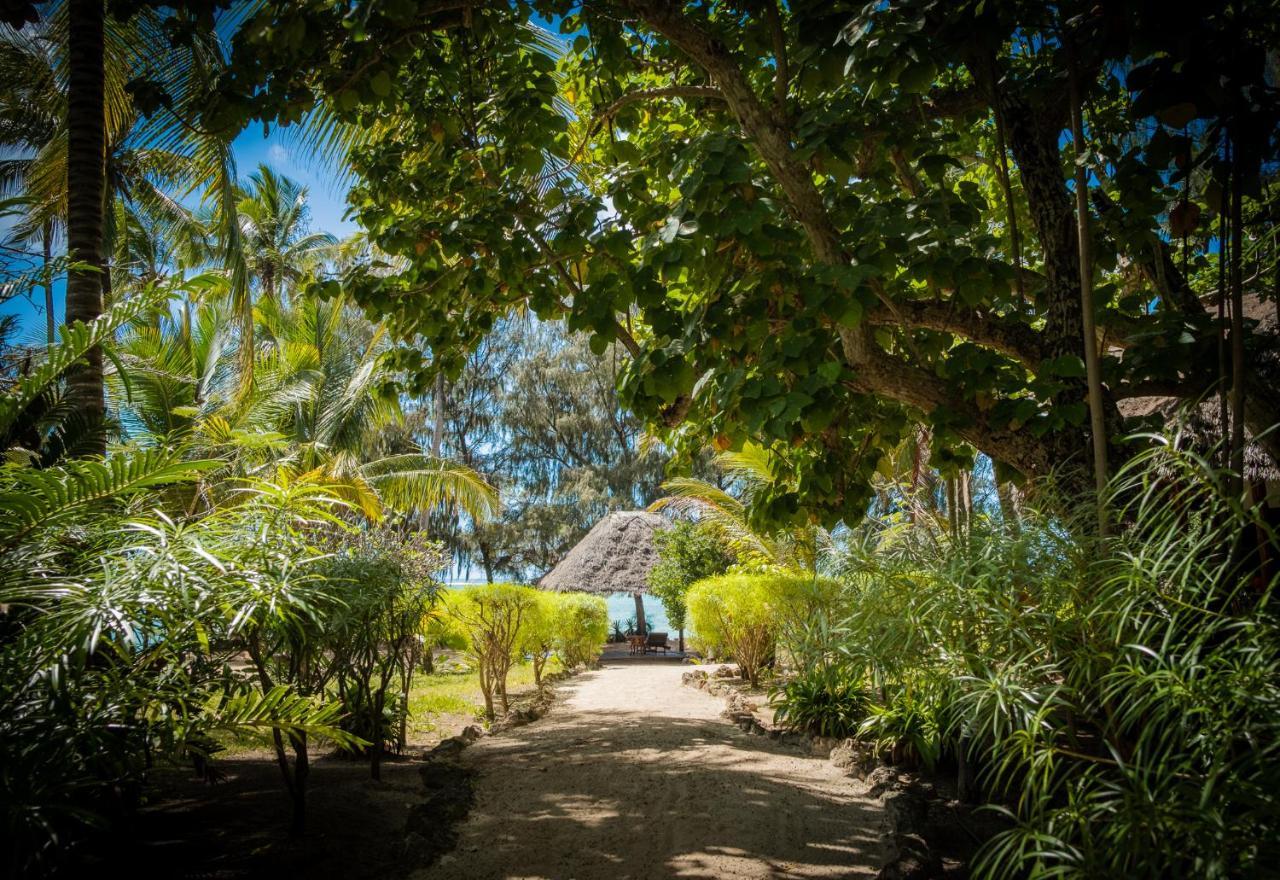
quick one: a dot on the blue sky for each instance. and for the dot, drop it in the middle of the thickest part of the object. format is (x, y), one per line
(252, 148)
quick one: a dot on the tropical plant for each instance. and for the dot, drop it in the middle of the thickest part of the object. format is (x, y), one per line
(320, 379)
(274, 232)
(581, 628)
(750, 477)
(824, 700)
(1112, 694)
(732, 615)
(386, 584)
(687, 553)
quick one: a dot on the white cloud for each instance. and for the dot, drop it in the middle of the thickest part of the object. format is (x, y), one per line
(277, 154)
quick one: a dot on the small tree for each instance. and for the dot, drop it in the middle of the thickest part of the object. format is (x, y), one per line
(688, 552)
(492, 615)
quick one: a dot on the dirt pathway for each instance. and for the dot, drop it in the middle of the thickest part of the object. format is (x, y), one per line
(632, 775)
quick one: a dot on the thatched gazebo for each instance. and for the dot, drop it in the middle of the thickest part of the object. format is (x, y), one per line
(614, 557)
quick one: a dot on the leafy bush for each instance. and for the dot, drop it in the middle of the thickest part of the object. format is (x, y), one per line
(117, 633)
(824, 701)
(581, 627)
(1119, 696)
(375, 636)
(748, 616)
(538, 631)
(732, 616)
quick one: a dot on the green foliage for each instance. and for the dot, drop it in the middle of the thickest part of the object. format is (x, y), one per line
(823, 701)
(1116, 696)
(581, 628)
(536, 411)
(538, 632)
(687, 552)
(374, 636)
(119, 628)
(76, 340)
(493, 616)
(749, 617)
(816, 251)
(733, 615)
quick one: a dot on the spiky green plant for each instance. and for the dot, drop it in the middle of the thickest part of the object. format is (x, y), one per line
(1119, 697)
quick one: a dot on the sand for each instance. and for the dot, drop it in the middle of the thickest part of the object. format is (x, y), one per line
(632, 775)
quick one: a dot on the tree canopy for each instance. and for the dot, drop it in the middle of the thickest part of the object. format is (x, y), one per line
(809, 225)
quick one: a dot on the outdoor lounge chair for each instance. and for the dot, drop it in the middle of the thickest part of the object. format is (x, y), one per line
(656, 641)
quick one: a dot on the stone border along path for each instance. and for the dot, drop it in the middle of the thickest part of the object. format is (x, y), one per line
(631, 775)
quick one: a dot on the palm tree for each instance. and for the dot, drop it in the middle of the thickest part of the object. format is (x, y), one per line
(86, 186)
(278, 245)
(314, 410)
(319, 371)
(747, 473)
(31, 108)
(64, 81)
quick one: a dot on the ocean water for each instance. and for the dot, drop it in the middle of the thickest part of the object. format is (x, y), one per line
(622, 607)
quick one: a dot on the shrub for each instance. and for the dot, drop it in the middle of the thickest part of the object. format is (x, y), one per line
(492, 616)
(823, 700)
(538, 631)
(581, 627)
(748, 616)
(732, 615)
(375, 636)
(1119, 694)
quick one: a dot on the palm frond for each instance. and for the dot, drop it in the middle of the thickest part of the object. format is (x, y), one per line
(421, 483)
(39, 499)
(76, 341)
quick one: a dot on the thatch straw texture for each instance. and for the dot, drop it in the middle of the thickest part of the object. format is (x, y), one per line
(614, 557)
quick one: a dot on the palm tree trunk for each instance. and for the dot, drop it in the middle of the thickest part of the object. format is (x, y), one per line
(86, 185)
(437, 434)
(1237, 328)
(641, 628)
(51, 325)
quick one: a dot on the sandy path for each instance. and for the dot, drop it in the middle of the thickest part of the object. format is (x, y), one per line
(632, 775)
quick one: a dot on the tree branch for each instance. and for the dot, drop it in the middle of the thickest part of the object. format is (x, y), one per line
(652, 94)
(1009, 337)
(886, 376)
(767, 133)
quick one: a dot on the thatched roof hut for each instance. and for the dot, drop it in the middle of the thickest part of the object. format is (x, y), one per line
(614, 557)
(1202, 429)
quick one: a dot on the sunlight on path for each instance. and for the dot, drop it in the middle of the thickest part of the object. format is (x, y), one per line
(634, 776)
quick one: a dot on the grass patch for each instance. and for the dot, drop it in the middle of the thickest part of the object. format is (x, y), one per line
(458, 693)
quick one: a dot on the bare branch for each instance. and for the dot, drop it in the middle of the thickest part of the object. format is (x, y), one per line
(652, 94)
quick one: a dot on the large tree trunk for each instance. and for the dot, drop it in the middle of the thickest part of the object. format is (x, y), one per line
(641, 628)
(51, 324)
(86, 186)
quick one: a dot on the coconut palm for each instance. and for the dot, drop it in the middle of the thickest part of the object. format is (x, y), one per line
(80, 144)
(319, 370)
(728, 510)
(279, 247)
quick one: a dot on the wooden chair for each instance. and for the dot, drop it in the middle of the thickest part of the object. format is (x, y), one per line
(655, 642)
(637, 643)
